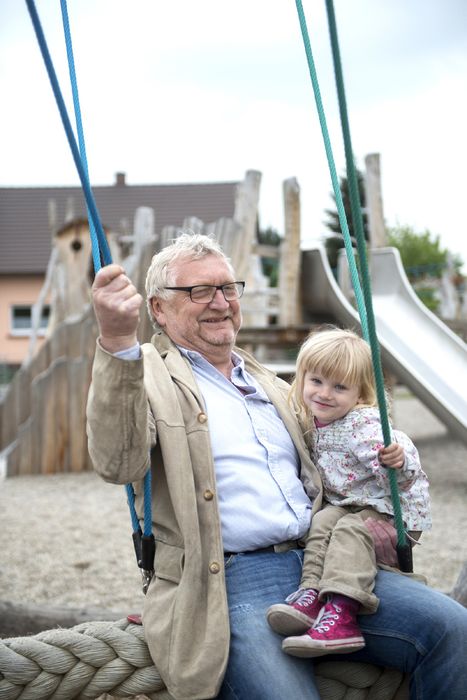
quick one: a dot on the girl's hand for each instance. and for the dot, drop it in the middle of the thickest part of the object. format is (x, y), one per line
(392, 456)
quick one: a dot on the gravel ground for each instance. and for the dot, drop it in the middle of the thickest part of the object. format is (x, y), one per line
(66, 539)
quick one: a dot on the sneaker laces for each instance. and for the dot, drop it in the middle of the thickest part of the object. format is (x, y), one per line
(306, 596)
(326, 618)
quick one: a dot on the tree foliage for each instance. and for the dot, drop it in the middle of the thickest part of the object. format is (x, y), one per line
(335, 241)
(424, 261)
(270, 265)
(421, 253)
(333, 223)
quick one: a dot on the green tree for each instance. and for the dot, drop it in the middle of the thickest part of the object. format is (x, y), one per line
(270, 265)
(333, 243)
(333, 223)
(421, 253)
(423, 259)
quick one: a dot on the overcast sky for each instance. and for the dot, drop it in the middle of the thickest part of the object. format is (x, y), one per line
(204, 90)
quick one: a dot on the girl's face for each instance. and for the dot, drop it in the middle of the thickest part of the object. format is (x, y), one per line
(327, 399)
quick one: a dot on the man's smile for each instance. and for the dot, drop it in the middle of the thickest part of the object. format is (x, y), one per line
(217, 320)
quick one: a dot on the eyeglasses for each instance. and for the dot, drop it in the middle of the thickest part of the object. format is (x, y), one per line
(205, 293)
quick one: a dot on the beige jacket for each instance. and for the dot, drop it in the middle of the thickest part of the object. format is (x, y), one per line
(185, 613)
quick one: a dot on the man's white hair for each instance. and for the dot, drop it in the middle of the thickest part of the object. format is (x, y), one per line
(187, 246)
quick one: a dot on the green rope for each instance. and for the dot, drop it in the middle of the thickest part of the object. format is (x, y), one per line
(366, 315)
(355, 204)
(332, 168)
(365, 276)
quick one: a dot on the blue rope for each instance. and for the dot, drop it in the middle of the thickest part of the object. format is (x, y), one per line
(100, 249)
(147, 528)
(92, 230)
(90, 202)
(130, 493)
(79, 127)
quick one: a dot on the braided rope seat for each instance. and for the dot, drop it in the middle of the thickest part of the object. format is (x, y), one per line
(95, 658)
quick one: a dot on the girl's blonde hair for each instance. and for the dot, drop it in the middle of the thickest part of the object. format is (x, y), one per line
(337, 354)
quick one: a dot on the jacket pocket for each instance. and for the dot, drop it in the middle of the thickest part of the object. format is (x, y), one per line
(168, 562)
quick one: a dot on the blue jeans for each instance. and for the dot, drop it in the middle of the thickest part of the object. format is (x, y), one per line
(415, 629)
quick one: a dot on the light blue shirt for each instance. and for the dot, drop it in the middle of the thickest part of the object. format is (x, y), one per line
(261, 498)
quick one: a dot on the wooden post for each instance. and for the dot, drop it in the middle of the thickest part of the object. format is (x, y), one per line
(246, 213)
(374, 200)
(247, 264)
(79, 375)
(143, 234)
(290, 313)
(26, 450)
(50, 417)
(11, 411)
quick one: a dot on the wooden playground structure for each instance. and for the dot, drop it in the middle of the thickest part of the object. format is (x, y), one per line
(42, 415)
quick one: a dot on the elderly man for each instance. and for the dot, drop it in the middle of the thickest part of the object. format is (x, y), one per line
(234, 490)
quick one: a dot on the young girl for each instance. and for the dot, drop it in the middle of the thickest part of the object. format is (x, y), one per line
(334, 392)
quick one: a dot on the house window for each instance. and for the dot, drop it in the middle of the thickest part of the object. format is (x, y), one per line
(21, 320)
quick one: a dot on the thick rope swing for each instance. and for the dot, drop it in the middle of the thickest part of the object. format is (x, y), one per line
(93, 658)
(82, 662)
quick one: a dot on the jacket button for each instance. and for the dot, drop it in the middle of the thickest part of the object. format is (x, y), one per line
(214, 567)
(202, 418)
(208, 495)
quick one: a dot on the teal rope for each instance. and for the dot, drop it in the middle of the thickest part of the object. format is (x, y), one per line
(365, 275)
(355, 205)
(332, 169)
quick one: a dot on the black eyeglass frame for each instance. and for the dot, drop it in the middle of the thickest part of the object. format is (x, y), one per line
(240, 285)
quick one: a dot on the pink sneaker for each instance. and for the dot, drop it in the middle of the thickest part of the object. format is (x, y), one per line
(335, 632)
(297, 614)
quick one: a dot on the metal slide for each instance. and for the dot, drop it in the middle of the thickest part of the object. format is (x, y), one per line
(416, 346)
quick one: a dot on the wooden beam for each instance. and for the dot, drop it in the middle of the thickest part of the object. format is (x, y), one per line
(18, 620)
(374, 197)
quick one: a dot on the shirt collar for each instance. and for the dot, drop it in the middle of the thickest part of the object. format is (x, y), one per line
(240, 377)
(195, 357)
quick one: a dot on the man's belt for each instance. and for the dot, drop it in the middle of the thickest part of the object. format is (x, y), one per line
(281, 547)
